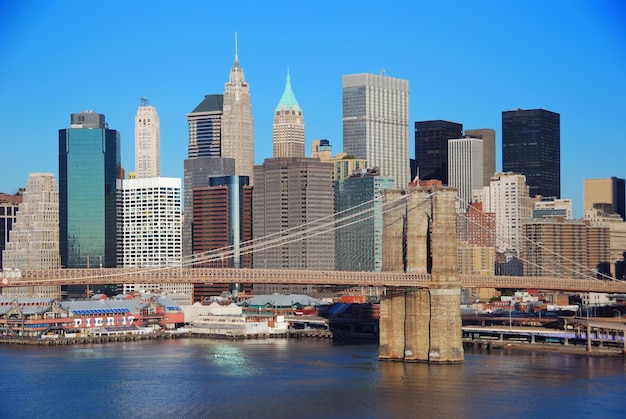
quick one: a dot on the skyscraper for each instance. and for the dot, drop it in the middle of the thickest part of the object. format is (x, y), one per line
(197, 172)
(34, 239)
(9, 206)
(465, 168)
(376, 123)
(359, 246)
(511, 204)
(608, 191)
(237, 123)
(89, 166)
(431, 148)
(205, 128)
(488, 136)
(288, 128)
(147, 141)
(531, 146)
(293, 195)
(150, 222)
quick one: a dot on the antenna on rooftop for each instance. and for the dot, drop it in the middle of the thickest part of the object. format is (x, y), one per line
(382, 71)
(236, 48)
(144, 101)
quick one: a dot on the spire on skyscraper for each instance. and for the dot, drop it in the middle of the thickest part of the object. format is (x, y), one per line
(288, 99)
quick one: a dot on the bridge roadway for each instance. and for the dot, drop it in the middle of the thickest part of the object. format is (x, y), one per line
(278, 276)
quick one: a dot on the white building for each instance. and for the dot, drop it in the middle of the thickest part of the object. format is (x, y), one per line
(150, 227)
(551, 206)
(376, 123)
(147, 141)
(465, 168)
(509, 200)
(34, 240)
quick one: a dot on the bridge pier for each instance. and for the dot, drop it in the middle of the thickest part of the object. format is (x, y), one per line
(423, 325)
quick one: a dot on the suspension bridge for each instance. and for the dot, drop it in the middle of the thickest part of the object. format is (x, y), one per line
(414, 233)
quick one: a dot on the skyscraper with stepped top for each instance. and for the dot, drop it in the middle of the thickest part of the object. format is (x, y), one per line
(288, 128)
(147, 141)
(237, 121)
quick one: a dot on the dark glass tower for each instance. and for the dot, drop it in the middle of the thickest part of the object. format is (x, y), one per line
(431, 148)
(531, 146)
(89, 166)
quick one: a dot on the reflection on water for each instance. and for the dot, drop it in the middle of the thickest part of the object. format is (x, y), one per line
(303, 378)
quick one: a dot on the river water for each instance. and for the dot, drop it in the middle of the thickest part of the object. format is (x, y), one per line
(278, 378)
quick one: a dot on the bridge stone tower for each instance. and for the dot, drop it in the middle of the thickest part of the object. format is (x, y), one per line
(422, 325)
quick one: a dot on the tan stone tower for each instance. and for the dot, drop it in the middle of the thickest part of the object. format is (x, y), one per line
(288, 128)
(237, 122)
(422, 325)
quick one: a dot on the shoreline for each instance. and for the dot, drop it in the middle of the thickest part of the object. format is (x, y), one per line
(544, 347)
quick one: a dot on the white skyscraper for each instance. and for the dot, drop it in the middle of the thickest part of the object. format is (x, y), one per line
(510, 201)
(34, 239)
(376, 123)
(147, 141)
(237, 122)
(150, 229)
(150, 226)
(465, 168)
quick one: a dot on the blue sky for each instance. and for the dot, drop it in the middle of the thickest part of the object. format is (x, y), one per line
(466, 62)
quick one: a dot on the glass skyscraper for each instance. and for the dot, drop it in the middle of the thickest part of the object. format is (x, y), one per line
(531, 146)
(89, 165)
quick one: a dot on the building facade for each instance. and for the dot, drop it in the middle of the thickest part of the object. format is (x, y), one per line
(288, 127)
(34, 239)
(475, 227)
(431, 148)
(359, 245)
(89, 166)
(197, 172)
(488, 136)
(550, 207)
(510, 202)
(9, 206)
(205, 128)
(293, 196)
(609, 191)
(465, 168)
(376, 123)
(321, 149)
(565, 248)
(147, 141)
(531, 146)
(150, 214)
(237, 123)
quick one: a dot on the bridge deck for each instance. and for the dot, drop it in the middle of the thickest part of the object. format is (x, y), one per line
(318, 277)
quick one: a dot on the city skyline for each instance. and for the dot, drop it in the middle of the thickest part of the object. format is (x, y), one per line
(527, 57)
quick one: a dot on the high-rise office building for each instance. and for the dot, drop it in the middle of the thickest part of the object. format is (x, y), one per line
(431, 148)
(488, 136)
(34, 239)
(149, 233)
(511, 204)
(465, 168)
(149, 229)
(197, 172)
(359, 246)
(293, 195)
(288, 128)
(610, 191)
(237, 123)
(376, 123)
(531, 146)
(9, 206)
(205, 128)
(551, 206)
(147, 141)
(571, 248)
(89, 166)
